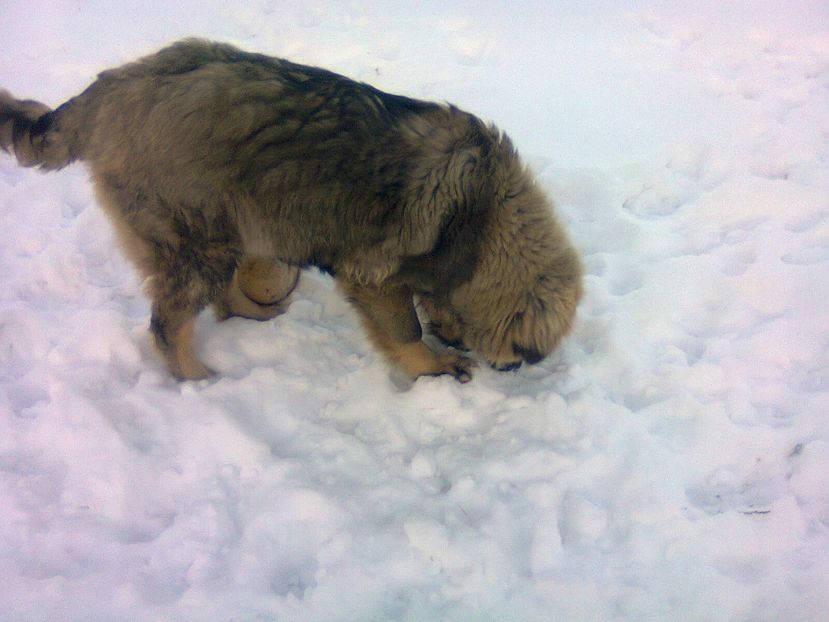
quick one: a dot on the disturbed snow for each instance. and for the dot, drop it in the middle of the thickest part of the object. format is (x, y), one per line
(669, 462)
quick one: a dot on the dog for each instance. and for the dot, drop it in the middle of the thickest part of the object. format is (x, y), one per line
(225, 172)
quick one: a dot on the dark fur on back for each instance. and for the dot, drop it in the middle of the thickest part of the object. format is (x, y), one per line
(203, 155)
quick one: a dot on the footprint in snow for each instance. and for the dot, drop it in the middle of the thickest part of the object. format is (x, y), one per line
(726, 491)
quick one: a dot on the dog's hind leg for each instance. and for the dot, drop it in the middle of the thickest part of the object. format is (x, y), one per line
(389, 317)
(188, 262)
(179, 288)
(188, 274)
(173, 334)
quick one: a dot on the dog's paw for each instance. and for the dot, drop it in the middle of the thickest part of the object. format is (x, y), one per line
(192, 370)
(417, 359)
(455, 365)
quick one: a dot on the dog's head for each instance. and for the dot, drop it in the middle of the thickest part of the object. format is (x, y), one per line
(521, 298)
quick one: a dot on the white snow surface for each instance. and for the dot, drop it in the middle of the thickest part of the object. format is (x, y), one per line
(668, 462)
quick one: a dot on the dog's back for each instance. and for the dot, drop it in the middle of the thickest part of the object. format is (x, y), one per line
(193, 91)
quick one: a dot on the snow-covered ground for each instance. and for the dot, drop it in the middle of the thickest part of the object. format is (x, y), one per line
(669, 462)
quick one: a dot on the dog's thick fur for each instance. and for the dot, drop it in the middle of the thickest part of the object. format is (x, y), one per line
(224, 171)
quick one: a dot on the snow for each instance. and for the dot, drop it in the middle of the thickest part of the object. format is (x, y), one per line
(669, 462)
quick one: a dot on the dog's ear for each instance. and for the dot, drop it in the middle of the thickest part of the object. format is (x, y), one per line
(451, 178)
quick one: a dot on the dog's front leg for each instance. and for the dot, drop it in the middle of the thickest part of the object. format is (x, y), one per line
(389, 317)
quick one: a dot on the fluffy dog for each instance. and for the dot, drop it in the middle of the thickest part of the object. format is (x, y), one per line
(224, 172)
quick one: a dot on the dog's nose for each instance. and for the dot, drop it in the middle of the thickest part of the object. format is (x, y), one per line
(508, 366)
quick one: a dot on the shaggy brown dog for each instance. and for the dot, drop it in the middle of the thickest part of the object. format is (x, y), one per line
(224, 171)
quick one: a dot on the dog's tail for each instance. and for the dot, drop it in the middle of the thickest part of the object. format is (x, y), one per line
(28, 129)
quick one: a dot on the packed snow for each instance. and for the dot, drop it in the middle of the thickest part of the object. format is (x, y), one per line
(668, 462)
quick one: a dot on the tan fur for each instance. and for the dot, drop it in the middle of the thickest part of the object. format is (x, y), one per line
(539, 284)
(181, 359)
(417, 359)
(392, 325)
(225, 172)
(265, 280)
(235, 301)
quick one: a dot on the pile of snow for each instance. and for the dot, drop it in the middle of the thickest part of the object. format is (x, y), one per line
(669, 462)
